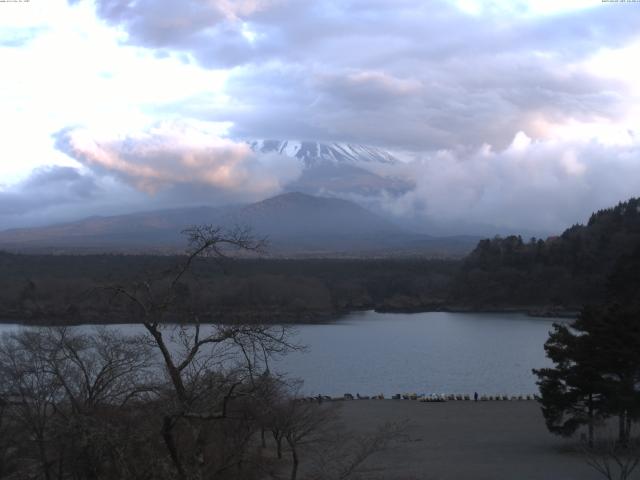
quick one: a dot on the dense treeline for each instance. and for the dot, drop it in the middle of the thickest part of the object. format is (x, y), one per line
(43, 288)
(565, 271)
(548, 276)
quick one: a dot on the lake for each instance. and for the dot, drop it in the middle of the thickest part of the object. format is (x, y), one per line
(433, 352)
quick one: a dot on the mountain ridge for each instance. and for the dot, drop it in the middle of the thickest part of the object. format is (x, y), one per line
(296, 223)
(312, 153)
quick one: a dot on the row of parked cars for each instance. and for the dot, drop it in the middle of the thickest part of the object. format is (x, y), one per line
(441, 397)
(422, 397)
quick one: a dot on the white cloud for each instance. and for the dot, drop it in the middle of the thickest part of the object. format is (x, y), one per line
(532, 185)
(524, 8)
(74, 70)
(180, 155)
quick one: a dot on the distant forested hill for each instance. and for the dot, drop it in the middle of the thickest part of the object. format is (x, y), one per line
(568, 270)
(66, 288)
(583, 265)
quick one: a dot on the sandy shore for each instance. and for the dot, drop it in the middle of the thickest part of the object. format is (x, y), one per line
(467, 440)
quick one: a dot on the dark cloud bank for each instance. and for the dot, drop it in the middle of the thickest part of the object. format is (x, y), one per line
(394, 73)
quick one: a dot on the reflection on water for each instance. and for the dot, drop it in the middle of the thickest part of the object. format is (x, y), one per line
(435, 352)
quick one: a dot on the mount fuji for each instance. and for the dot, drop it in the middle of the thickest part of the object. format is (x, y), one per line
(337, 168)
(316, 153)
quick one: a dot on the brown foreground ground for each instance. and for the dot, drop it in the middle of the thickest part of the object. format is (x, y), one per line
(467, 440)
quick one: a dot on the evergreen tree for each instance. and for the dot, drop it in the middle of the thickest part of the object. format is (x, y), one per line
(615, 333)
(596, 373)
(571, 392)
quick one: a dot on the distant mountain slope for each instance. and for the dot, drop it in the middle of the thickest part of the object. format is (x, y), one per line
(295, 224)
(155, 228)
(297, 214)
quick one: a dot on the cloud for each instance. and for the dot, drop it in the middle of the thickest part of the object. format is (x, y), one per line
(44, 191)
(531, 185)
(433, 109)
(213, 31)
(298, 30)
(429, 78)
(537, 186)
(394, 73)
(167, 165)
(190, 161)
(19, 37)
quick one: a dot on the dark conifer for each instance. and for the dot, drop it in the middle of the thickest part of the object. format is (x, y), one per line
(596, 373)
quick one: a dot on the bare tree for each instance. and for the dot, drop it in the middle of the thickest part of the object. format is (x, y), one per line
(31, 391)
(69, 397)
(299, 424)
(188, 399)
(104, 375)
(207, 365)
(343, 455)
(104, 367)
(304, 423)
(313, 433)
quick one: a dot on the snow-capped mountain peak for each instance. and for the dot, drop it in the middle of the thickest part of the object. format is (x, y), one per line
(314, 153)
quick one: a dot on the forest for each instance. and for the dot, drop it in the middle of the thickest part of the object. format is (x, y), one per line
(566, 271)
(549, 276)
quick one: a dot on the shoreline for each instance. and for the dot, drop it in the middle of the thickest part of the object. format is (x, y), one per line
(308, 318)
(535, 311)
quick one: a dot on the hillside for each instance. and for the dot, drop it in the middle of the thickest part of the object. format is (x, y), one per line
(565, 271)
(294, 223)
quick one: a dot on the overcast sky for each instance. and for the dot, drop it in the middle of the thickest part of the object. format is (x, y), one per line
(523, 114)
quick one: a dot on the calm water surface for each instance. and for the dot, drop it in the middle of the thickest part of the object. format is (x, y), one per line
(435, 352)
